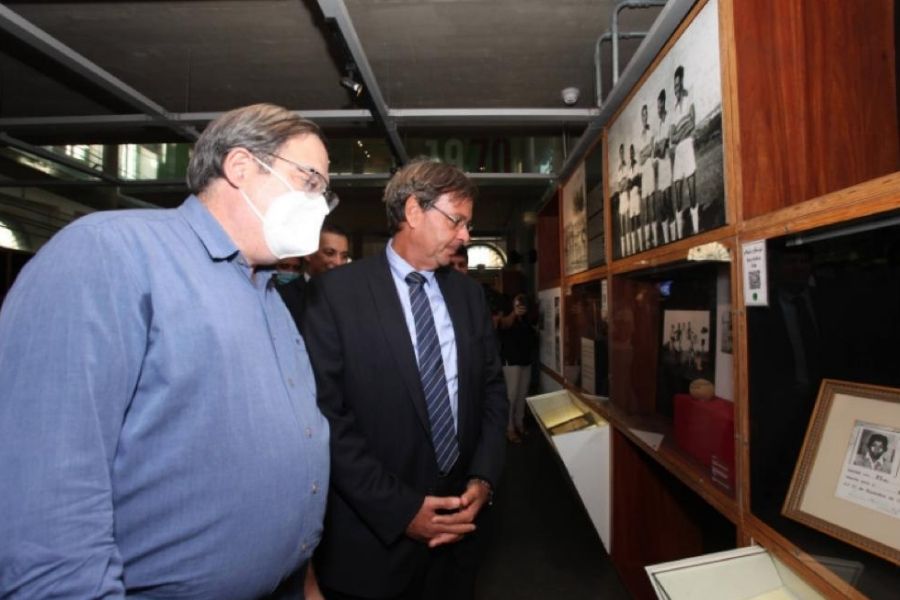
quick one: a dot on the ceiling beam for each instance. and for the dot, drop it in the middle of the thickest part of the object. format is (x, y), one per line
(483, 117)
(336, 11)
(59, 159)
(38, 39)
(492, 116)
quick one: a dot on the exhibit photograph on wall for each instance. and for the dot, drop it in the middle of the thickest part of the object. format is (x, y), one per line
(593, 185)
(847, 479)
(665, 162)
(550, 329)
(574, 201)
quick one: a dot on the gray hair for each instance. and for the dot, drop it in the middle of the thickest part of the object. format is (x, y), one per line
(427, 180)
(260, 128)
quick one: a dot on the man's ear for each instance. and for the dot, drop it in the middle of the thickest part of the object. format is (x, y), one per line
(413, 212)
(237, 166)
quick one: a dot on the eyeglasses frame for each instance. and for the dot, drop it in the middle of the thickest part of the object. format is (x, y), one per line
(458, 222)
(313, 175)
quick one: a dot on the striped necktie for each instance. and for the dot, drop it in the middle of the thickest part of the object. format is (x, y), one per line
(431, 371)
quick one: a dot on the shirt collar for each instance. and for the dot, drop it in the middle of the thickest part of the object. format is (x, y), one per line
(214, 238)
(400, 268)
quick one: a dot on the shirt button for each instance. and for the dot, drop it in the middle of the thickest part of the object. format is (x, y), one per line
(315, 487)
(290, 382)
(304, 547)
(308, 432)
(297, 341)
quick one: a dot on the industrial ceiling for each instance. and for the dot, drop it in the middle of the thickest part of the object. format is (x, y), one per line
(102, 72)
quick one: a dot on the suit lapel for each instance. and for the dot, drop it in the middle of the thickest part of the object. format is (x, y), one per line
(389, 315)
(456, 306)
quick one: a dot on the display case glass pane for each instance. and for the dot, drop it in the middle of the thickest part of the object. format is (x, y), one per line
(833, 312)
(593, 183)
(587, 337)
(672, 371)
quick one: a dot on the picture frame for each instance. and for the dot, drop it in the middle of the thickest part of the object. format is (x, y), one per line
(575, 222)
(665, 154)
(847, 480)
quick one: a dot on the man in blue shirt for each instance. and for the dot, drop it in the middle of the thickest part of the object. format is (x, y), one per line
(160, 435)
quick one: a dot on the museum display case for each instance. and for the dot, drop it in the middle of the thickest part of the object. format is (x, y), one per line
(586, 337)
(744, 574)
(747, 262)
(672, 364)
(831, 315)
(580, 437)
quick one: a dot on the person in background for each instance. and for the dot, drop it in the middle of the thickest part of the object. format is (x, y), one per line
(518, 343)
(460, 260)
(333, 251)
(158, 409)
(288, 269)
(410, 380)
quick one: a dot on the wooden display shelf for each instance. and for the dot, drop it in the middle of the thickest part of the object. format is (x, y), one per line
(687, 470)
(810, 141)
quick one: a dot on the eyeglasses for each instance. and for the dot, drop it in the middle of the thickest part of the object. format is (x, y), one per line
(313, 182)
(458, 222)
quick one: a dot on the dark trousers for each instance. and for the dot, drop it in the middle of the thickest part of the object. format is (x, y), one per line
(448, 574)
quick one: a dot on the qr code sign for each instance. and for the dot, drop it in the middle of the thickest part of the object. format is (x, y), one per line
(755, 280)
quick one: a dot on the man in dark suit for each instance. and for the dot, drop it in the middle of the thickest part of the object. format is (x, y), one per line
(334, 251)
(413, 464)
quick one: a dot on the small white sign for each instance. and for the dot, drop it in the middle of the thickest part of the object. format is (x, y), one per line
(756, 279)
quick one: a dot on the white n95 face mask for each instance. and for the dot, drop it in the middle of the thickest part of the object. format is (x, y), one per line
(293, 221)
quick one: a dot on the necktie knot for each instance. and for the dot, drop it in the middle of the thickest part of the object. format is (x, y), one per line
(415, 279)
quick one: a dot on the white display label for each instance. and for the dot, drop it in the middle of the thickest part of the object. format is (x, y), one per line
(756, 280)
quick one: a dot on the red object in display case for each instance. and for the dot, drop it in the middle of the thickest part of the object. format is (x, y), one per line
(704, 429)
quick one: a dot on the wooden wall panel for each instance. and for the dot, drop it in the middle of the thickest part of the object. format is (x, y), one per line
(548, 244)
(818, 99)
(656, 518)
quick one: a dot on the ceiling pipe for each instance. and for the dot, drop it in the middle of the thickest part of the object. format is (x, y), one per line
(336, 11)
(672, 14)
(43, 42)
(598, 58)
(615, 27)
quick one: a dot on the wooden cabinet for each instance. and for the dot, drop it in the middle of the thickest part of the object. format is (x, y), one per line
(811, 153)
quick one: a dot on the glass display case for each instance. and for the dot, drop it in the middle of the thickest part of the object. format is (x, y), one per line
(833, 311)
(587, 337)
(672, 367)
(593, 183)
(581, 439)
(749, 573)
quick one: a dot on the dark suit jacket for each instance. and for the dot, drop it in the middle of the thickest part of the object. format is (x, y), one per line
(383, 461)
(292, 294)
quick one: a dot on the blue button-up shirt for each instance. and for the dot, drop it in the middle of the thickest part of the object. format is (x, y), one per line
(158, 429)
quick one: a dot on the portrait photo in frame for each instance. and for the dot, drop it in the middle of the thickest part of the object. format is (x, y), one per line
(665, 159)
(847, 480)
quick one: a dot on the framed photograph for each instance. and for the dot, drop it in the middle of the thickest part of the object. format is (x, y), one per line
(550, 329)
(846, 483)
(575, 222)
(665, 161)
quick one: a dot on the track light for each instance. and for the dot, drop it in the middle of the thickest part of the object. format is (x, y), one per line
(351, 84)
